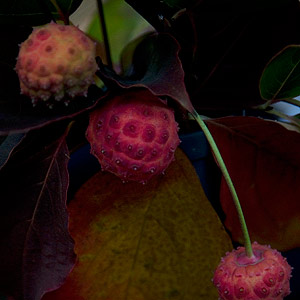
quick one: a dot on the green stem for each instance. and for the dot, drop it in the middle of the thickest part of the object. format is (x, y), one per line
(228, 180)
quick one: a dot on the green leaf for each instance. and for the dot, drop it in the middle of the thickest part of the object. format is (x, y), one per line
(34, 12)
(123, 25)
(281, 77)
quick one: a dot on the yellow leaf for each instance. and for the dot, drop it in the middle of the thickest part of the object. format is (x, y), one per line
(157, 241)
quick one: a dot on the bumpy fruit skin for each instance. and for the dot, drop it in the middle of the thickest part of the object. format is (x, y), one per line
(134, 135)
(264, 276)
(56, 62)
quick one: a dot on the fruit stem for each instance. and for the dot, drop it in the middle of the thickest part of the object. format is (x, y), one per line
(104, 33)
(222, 166)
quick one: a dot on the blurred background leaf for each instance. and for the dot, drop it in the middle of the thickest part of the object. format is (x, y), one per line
(123, 25)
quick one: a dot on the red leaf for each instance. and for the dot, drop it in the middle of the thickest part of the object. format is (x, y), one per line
(263, 160)
(156, 66)
(36, 250)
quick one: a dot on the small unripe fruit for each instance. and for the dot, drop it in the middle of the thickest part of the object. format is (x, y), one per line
(134, 135)
(266, 275)
(56, 62)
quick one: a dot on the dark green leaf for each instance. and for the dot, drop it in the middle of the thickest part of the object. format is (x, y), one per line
(34, 12)
(281, 77)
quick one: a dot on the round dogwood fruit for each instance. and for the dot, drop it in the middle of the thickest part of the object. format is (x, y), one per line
(56, 62)
(134, 135)
(266, 275)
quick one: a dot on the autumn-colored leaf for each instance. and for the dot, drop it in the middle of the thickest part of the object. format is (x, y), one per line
(263, 160)
(36, 250)
(156, 241)
(155, 65)
(20, 117)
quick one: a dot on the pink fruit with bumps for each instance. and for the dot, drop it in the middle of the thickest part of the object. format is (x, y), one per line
(266, 275)
(134, 135)
(56, 62)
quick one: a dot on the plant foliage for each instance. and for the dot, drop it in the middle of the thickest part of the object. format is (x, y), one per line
(218, 57)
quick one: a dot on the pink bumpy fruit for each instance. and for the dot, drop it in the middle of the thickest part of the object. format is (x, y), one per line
(134, 135)
(266, 275)
(56, 62)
